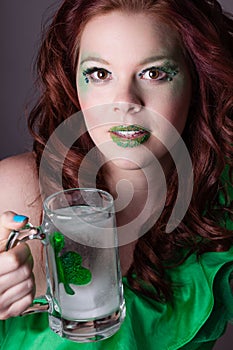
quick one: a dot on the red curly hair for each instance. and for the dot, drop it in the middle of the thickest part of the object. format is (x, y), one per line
(206, 38)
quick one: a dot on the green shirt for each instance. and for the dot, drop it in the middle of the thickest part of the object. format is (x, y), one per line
(198, 315)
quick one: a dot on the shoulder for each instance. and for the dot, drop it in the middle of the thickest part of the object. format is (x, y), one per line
(20, 161)
(18, 171)
(19, 185)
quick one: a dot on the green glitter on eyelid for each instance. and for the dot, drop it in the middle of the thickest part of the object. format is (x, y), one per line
(169, 68)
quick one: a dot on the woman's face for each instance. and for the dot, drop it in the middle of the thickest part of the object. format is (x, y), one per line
(132, 82)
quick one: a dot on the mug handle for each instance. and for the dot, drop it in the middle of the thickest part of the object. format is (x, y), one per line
(29, 232)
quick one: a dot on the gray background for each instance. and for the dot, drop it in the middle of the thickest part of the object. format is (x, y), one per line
(20, 26)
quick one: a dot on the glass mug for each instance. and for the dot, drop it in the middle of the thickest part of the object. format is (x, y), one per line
(84, 297)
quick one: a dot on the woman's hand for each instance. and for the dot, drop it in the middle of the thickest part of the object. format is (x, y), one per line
(17, 285)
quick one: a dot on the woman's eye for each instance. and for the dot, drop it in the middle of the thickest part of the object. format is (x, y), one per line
(153, 74)
(97, 75)
(102, 74)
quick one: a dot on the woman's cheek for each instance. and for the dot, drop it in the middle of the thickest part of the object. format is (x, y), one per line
(173, 101)
(90, 96)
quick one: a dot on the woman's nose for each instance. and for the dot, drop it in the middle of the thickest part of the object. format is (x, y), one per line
(127, 107)
(127, 99)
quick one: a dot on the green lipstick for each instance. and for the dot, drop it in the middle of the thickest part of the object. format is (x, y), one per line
(129, 136)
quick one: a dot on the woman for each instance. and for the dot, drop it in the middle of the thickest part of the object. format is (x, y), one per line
(134, 64)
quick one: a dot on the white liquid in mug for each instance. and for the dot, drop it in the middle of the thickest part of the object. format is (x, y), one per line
(86, 236)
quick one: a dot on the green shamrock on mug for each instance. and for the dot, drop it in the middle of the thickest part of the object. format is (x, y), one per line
(69, 265)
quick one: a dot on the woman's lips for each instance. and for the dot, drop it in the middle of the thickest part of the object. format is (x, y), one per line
(129, 136)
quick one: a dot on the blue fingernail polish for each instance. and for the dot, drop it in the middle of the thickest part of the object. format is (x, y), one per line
(19, 218)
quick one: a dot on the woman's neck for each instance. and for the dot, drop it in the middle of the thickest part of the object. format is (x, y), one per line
(139, 198)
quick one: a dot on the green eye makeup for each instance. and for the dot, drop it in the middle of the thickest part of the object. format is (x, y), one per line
(165, 72)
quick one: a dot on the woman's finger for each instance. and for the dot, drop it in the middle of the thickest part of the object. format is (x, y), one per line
(18, 269)
(16, 308)
(10, 221)
(14, 258)
(16, 293)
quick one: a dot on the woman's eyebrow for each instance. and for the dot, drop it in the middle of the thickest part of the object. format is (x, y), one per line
(147, 60)
(155, 58)
(95, 59)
